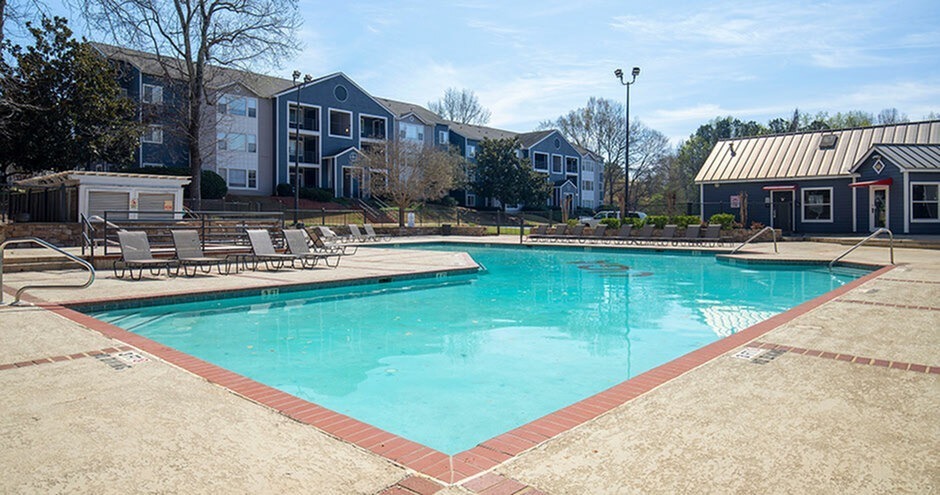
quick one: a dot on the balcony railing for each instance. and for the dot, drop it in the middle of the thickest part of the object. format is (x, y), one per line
(306, 157)
(306, 124)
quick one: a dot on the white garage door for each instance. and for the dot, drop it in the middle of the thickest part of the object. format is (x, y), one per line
(150, 205)
(110, 201)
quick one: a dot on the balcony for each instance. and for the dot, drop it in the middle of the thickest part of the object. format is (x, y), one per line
(306, 157)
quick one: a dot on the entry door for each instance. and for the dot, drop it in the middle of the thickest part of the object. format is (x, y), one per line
(878, 208)
(781, 214)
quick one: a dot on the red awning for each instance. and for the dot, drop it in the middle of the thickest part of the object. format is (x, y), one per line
(780, 188)
(879, 182)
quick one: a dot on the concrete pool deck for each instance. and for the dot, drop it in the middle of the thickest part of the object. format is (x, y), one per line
(849, 403)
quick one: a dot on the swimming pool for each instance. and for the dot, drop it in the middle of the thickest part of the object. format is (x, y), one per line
(453, 361)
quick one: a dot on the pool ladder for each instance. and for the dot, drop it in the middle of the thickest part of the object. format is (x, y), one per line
(36, 240)
(863, 241)
(773, 233)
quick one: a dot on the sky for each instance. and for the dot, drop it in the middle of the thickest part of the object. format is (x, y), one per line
(529, 61)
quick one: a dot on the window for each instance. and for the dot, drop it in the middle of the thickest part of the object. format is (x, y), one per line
(571, 165)
(925, 202)
(239, 178)
(238, 105)
(817, 205)
(340, 123)
(153, 164)
(411, 132)
(152, 94)
(471, 200)
(587, 185)
(471, 150)
(587, 166)
(309, 147)
(587, 203)
(153, 134)
(443, 137)
(541, 161)
(556, 164)
(371, 127)
(237, 142)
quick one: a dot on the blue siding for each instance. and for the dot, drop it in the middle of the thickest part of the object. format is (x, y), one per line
(322, 93)
(173, 152)
(717, 200)
(896, 195)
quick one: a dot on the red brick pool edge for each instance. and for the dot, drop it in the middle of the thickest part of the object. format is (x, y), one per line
(485, 456)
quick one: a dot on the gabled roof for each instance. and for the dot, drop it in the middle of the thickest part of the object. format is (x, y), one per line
(479, 132)
(530, 139)
(343, 152)
(799, 155)
(403, 108)
(905, 156)
(586, 152)
(217, 77)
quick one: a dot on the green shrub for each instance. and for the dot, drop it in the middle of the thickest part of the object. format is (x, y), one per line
(611, 223)
(659, 221)
(725, 219)
(572, 222)
(285, 190)
(212, 185)
(316, 194)
(683, 221)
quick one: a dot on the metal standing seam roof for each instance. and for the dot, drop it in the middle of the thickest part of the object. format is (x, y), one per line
(402, 108)
(70, 176)
(798, 155)
(913, 157)
(479, 132)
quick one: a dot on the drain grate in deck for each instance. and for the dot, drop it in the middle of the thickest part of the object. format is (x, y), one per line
(757, 355)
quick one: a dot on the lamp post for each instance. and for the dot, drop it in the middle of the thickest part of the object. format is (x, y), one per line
(626, 159)
(307, 79)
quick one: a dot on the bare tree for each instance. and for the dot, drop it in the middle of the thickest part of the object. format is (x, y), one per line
(891, 116)
(191, 38)
(461, 106)
(406, 173)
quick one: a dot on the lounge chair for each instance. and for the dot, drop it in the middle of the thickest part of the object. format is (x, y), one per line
(298, 246)
(189, 254)
(262, 250)
(558, 233)
(370, 232)
(574, 233)
(135, 254)
(355, 234)
(597, 234)
(691, 235)
(644, 235)
(538, 233)
(667, 235)
(324, 237)
(623, 235)
(712, 234)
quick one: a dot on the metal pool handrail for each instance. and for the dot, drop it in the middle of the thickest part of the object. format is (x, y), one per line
(36, 240)
(874, 234)
(755, 236)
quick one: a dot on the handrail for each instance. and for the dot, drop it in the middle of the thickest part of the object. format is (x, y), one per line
(755, 236)
(36, 240)
(874, 234)
(88, 234)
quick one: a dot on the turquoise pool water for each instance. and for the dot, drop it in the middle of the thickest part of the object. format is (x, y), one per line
(453, 361)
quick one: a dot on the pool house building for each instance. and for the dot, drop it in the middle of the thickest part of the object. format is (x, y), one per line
(829, 181)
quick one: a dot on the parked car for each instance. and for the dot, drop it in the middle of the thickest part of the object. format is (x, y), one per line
(601, 215)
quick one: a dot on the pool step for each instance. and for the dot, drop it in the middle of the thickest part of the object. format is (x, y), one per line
(37, 264)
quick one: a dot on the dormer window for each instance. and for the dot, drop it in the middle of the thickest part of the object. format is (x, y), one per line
(828, 142)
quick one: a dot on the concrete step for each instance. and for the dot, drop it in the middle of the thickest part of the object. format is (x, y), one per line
(879, 242)
(38, 266)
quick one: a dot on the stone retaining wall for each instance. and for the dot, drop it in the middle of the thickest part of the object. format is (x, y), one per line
(59, 234)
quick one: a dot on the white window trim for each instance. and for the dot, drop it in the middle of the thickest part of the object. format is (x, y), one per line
(329, 123)
(911, 200)
(548, 161)
(577, 165)
(402, 125)
(475, 147)
(471, 200)
(143, 91)
(361, 115)
(443, 136)
(290, 163)
(551, 164)
(145, 138)
(293, 130)
(153, 164)
(248, 172)
(803, 204)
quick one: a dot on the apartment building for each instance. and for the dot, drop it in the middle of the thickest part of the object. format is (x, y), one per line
(260, 131)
